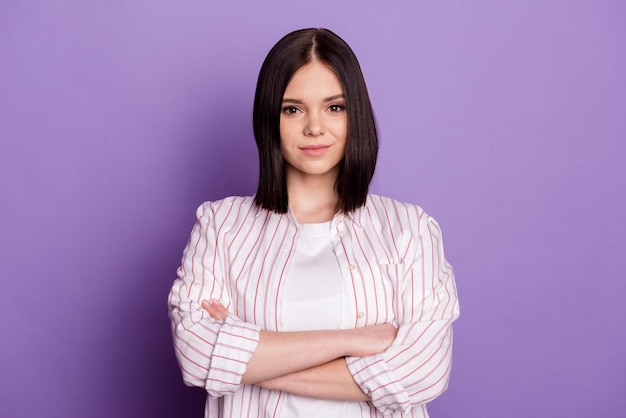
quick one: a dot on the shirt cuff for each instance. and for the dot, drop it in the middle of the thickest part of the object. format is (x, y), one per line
(378, 381)
(236, 343)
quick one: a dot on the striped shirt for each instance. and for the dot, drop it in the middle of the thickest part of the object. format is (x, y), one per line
(394, 271)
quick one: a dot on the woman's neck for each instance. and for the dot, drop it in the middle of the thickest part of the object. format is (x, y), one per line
(312, 200)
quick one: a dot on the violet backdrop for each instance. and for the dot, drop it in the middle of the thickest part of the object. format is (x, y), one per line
(505, 120)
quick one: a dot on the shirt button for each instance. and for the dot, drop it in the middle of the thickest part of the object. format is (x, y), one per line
(351, 266)
(340, 233)
(361, 315)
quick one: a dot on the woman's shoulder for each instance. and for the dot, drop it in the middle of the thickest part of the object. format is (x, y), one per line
(392, 207)
(225, 205)
(401, 216)
(230, 200)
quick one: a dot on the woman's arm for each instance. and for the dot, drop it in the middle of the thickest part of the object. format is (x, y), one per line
(286, 353)
(415, 369)
(331, 380)
(211, 354)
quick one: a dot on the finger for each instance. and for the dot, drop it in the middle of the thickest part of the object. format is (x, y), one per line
(220, 309)
(215, 309)
(206, 305)
(217, 305)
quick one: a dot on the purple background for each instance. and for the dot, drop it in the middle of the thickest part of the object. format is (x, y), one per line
(504, 120)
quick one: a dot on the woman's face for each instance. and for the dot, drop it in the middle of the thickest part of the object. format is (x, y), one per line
(313, 122)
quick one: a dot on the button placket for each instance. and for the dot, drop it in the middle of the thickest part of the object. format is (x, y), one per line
(344, 241)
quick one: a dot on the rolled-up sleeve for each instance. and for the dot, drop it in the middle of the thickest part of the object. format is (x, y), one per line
(213, 354)
(416, 368)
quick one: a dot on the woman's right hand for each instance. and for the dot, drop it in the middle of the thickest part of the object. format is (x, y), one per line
(215, 309)
(370, 340)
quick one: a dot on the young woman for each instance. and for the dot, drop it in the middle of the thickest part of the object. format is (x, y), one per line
(314, 298)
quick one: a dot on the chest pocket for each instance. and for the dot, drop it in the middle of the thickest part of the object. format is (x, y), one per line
(377, 279)
(377, 288)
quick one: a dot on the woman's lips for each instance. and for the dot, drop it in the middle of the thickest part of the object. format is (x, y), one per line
(314, 150)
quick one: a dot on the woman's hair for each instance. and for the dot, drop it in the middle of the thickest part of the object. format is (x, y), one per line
(286, 57)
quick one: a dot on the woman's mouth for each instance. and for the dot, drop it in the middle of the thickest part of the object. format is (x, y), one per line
(314, 150)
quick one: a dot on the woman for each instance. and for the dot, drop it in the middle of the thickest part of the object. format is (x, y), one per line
(314, 298)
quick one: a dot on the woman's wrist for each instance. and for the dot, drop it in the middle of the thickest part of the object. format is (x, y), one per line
(367, 341)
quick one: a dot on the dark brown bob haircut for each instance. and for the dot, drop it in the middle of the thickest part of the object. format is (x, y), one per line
(286, 57)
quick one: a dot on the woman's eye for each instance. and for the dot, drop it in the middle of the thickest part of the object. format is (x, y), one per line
(336, 108)
(290, 110)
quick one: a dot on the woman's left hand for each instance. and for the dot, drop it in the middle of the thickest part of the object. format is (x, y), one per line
(215, 309)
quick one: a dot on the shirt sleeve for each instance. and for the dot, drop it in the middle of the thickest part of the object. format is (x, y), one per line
(213, 354)
(416, 368)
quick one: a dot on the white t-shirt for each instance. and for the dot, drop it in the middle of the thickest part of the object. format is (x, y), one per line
(313, 300)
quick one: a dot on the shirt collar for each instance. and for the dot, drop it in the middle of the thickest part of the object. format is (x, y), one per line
(356, 216)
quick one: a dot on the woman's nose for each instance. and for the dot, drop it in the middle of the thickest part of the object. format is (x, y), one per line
(314, 125)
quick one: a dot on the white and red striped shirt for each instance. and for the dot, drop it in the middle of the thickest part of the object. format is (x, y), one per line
(393, 269)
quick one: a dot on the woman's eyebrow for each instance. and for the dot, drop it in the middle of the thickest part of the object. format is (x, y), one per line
(335, 97)
(328, 99)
